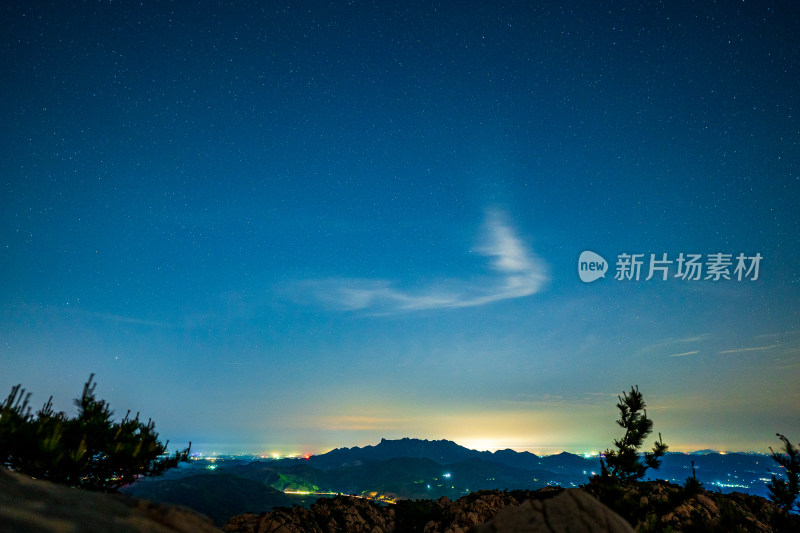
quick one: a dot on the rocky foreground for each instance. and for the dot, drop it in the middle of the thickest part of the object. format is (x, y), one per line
(544, 511)
(645, 506)
(29, 506)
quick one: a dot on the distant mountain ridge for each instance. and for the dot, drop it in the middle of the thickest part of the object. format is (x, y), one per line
(726, 471)
(415, 469)
(443, 452)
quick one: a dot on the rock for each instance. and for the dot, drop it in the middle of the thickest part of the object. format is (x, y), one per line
(571, 511)
(647, 506)
(342, 514)
(665, 506)
(351, 514)
(34, 506)
(464, 513)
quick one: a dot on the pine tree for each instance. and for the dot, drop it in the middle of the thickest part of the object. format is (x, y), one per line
(783, 492)
(624, 463)
(692, 485)
(90, 451)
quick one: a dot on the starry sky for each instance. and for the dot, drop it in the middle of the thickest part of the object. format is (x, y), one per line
(291, 226)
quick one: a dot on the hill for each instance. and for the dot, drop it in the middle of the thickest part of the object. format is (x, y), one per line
(218, 496)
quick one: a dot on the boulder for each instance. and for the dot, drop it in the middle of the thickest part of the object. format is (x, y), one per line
(571, 511)
(342, 514)
(28, 505)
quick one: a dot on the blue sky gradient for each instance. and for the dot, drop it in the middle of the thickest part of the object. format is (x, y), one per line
(291, 228)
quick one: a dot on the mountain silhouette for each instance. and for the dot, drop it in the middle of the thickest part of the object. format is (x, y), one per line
(443, 452)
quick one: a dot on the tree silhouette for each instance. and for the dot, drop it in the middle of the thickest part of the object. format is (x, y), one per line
(624, 462)
(90, 451)
(783, 492)
(692, 485)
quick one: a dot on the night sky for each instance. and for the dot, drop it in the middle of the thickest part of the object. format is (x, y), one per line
(287, 227)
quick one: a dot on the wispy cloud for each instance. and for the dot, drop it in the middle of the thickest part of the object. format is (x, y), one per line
(683, 354)
(582, 400)
(513, 272)
(359, 423)
(129, 320)
(752, 349)
(673, 344)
